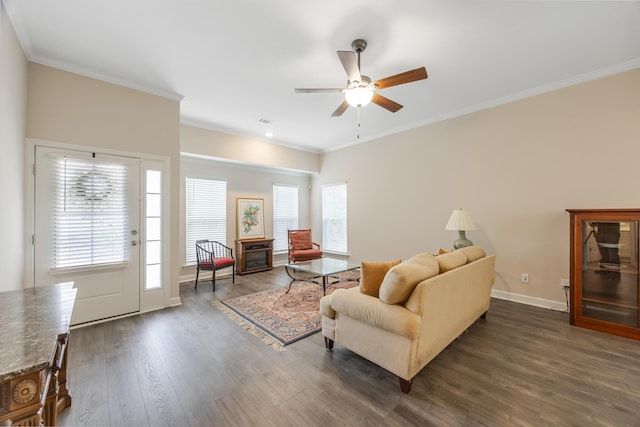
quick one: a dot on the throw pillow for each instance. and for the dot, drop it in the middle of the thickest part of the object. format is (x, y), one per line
(450, 261)
(402, 279)
(372, 274)
(473, 253)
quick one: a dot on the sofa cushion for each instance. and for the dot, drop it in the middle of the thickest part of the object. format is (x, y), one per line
(451, 260)
(473, 253)
(372, 311)
(402, 279)
(443, 251)
(224, 262)
(305, 255)
(372, 274)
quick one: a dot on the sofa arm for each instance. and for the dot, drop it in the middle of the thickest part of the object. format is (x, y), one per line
(371, 310)
(325, 307)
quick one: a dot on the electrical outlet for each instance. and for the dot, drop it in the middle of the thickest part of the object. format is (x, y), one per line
(524, 278)
(564, 283)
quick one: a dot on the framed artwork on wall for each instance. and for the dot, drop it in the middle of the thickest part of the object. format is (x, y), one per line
(250, 214)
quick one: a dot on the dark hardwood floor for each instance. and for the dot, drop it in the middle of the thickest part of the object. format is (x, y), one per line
(192, 366)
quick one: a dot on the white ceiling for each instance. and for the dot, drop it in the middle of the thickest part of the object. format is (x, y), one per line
(236, 62)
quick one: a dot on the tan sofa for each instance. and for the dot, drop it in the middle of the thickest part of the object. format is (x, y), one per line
(424, 304)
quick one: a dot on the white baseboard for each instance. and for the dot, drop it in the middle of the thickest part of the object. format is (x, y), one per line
(187, 278)
(175, 301)
(534, 301)
(204, 277)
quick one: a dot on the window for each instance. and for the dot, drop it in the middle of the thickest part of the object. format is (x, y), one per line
(206, 213)
(334, 218)
(89, 221)
(153, 230)
(285, 214)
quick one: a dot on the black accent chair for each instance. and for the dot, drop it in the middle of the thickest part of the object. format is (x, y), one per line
(213, 256)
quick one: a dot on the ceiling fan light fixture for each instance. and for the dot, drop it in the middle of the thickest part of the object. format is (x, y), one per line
(360, 90)
(359, 96)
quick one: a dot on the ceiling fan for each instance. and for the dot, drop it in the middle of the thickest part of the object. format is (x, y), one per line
(360, 90)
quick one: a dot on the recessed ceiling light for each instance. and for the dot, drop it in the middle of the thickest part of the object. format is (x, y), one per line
(269, 134)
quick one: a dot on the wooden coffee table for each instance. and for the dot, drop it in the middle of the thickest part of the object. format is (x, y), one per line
(319, 268)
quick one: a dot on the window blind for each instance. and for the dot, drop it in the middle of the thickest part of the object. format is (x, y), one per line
(334, 218)
(89, 221)
(206, 213)
(285, 214)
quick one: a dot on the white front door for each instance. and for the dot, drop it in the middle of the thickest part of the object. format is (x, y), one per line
(87, 229)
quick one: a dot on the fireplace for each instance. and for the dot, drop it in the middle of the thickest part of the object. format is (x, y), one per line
(254, 255)
(257, 260)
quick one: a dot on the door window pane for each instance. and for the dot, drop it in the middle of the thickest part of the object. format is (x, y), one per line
(89, 219)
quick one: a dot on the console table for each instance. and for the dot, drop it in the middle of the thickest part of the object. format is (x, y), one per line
(33, 354)
(254, 255)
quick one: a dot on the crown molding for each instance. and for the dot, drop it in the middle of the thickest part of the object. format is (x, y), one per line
(102, 77)
(561, 84)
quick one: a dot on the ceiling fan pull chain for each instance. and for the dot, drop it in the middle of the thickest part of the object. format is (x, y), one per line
(358, 135)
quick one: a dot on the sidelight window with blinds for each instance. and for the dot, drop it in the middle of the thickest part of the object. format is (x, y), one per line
(334, 218)
(89, 218)
(153, 229)
(206, 213)
(285, 214)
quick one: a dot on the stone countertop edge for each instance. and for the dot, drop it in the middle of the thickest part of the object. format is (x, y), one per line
(32, 319)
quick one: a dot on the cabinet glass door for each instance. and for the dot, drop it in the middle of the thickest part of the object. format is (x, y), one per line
(610, 271)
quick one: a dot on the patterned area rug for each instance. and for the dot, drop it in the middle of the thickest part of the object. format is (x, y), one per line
(280, 319)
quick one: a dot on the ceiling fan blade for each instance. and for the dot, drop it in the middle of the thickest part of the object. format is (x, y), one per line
(406, 77)
(341, 109)
(385, 103)
(350, 64)
(308, 90)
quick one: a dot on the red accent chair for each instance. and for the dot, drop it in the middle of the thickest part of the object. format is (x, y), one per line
(302, 247)
(213, 256)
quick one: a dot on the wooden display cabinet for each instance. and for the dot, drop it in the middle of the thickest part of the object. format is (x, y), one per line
(254, 255)
(604, 270)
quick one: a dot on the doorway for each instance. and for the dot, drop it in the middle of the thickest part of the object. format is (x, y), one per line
(86, 229)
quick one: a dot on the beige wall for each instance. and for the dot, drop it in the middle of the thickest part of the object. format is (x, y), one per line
(243, 181)
(13, 118)
(515, 168)
(195, 140)
(73, 109)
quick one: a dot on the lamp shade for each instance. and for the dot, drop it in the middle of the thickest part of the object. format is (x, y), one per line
(460, 220)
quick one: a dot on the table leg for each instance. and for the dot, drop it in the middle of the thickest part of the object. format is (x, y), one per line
(293, 279)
